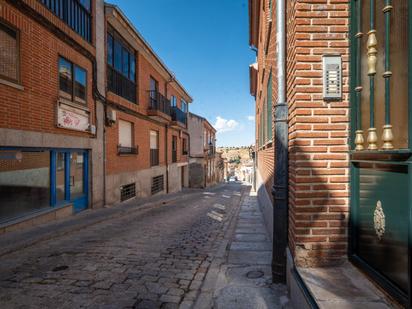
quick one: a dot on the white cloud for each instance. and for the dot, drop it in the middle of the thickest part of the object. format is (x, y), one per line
(251, 118)
(224, 125)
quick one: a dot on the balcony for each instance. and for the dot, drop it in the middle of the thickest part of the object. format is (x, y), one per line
(159, 107)
(121, 85)
(75, 14)
(154, 157)
(127, 150)
(179, 117)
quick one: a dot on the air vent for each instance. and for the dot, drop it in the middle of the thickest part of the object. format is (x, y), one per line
(127, 192)
(332, 77)
(157, 184)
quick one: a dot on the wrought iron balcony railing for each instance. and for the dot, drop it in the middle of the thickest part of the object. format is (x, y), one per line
(154, 157)
(159, 102)
(120, 85)
(76, 15)
(127, 150)
(179, 115)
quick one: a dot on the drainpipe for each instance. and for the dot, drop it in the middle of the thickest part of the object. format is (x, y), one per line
(280, 186)
(167, 163)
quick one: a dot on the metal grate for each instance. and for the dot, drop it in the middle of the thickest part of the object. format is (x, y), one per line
(127, 192)
(157, 184)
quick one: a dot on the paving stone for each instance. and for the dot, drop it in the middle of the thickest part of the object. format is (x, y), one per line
(170, 299)
(146, 304)
(176, 292)
(131, 259)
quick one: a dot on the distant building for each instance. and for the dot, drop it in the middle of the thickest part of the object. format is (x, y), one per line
(89, 114)
(202, 158)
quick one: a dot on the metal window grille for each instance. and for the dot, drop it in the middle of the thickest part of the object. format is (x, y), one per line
(157, 184)
(127, 192)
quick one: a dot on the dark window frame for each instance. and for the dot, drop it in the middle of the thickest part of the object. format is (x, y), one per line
(72, 97)
(14, 29)
(116, 37)
(184, 146)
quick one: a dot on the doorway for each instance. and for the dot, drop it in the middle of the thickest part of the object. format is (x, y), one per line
(70, 178)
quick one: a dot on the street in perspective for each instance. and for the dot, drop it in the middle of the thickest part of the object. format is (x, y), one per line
(220, 154)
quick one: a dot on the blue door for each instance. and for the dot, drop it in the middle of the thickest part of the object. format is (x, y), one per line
(70, 178)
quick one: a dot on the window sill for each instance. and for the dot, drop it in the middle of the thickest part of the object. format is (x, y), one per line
(11, 84)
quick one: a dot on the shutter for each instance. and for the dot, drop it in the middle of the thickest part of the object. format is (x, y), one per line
(153, 139)
(125, 133)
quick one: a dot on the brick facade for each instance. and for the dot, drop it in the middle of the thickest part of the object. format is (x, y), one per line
(29, 107)
(33, 106)
(318, 130)
(123, 169)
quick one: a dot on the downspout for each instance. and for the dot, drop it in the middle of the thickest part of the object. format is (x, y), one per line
(280, 186)
(166, 158)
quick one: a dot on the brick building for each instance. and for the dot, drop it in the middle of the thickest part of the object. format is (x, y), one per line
(333, 147)
(146, 133)
(51, 133)
(203, 160)
(90, 115)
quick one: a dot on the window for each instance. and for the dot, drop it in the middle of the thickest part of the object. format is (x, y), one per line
(125, 133)
(120, 56)
(121, 63)
(174, 149)
(154, 85)
(72, 81)
(184, 105)
(154, 148)
(9, 53)
(126, 138)
(154, 140)
(75, 13)
(85, 4)
(157, 184)
(24, 182)
(173, 101)
(184, 146)
(127, 191)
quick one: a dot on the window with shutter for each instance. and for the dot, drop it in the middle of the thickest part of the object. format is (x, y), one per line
(9, 54)
(125, 134)
(153, 139)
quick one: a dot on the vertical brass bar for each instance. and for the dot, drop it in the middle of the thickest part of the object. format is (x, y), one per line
(387, 135)
(359, 140)
(372, 60)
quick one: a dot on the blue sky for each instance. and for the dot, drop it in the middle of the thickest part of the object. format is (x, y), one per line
(205, 43)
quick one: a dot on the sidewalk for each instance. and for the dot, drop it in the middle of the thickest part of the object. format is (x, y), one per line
(243, 277)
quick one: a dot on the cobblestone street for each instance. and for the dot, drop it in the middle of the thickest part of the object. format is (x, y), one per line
(152, 258)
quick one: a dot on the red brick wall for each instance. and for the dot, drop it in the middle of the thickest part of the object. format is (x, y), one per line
(34, 108)
(318, 132)
(142, 125)
(266, 63)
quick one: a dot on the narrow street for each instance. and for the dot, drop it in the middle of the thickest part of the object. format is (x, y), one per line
(150, 258)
